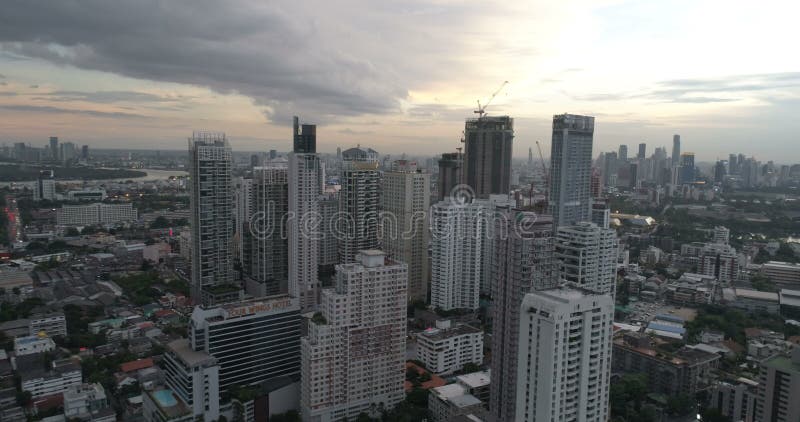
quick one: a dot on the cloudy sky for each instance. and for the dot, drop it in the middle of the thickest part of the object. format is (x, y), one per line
(401, 76)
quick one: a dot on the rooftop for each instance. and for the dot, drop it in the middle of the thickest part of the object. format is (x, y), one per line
(475, 379)
(436, 334)
(183, 350)
(757, 295)
(782, 363)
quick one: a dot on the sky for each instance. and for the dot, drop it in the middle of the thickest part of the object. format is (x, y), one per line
(401, 76)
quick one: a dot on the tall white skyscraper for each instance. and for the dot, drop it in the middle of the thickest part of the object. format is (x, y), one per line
(461, 248)
(564, 357)
(212, 219)
(588, 255)
(358, 203)
(354, 354)
(305, 176)
(571, 169)
(405, 199)
(522, 262)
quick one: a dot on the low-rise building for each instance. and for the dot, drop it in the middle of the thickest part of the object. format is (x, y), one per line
(52, 324)
(88, 402)
(783, 274)
(98, 213)
(683, 372)
(754, 301)
(33, 344)
(41, 382)
(446, 349)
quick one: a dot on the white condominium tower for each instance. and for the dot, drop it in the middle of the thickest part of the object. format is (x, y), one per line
(212, 219)
(571, 169)
(522, 262)
(588, 256)
(354, 354)
(358, 203)
(305, 187)
(564, 358)
(405, 199)
(461, 251)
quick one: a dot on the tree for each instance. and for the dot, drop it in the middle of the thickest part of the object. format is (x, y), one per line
(72, 232)
(679, 405)
(713, 415)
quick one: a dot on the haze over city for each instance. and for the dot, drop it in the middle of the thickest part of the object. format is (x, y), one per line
(402, 76)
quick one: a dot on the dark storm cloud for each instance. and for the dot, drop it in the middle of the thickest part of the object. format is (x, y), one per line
(268, 51)
(58, 110)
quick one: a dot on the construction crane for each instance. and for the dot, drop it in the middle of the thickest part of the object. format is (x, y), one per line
(482, 108)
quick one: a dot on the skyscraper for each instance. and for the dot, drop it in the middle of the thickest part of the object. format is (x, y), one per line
(588, 255)
(564, 356)
(642, 151)
(266, 246)
(405, 199)
(522, 261)
(305, 188)
(85, 152)
(487, 156)
(212, 219)
(451, 173)
(733, 164)
(686, 174)
(623, 153)
(460, 252)
(354, 354)
(571, 169)
(54, 150)
(358, 202)
(676, 150)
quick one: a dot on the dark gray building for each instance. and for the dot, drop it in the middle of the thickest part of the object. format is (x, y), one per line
(451, 173)
(487, 156)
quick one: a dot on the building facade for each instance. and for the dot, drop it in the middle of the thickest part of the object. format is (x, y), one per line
(447, 348)
(212, 219)
(451, 173)
(405, 200)
(87, 215)
(359, 203)
(354, 354)
(778, 388)
(564, 356)
(571, 169)
(588, 256)
(488, 143)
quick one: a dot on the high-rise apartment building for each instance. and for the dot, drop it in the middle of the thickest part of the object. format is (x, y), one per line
(778, 388)
(564, 356)
(212, 219)
(451, 173)
(305, 186)
(676, 150)
(642, 151)
(54, 150)
(487, 155)
(266, 245)
(354, 354)
(405, 199)
(733, 164)
(358, 203)
(45, 187)
(686, 172)
(588, 256)
(461, 251)
(571, 169)
(522, 262)
(328, 242)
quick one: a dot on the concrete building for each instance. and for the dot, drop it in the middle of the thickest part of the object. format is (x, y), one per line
(564, 356)
(783, 274)
(452, 400)
(779, 387)
(684, 371)
(488, 143)
(571, 169)
(676, 150)
(212, 219)
(719, 260)
(359, 203)
(354, 354)
(754, 301)
(461, 251)
(252, 341)
(306, 174)
(99, 213)
(447, 348)
(45, 186)
(192, 378)
(735, 399)
(722, 235)
(42, 382)
(328, 243)
(85, 195)
(52, 324)
(451, 173)
(265, 254)
(522, 261)
(88, 402)
(405, 200)
(588, 256)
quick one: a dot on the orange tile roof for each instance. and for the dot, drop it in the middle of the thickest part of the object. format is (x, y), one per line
(136, 365)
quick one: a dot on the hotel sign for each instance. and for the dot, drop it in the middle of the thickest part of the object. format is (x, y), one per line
(258, 307)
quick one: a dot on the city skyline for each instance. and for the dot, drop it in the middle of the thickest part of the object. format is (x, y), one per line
(64, 77)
